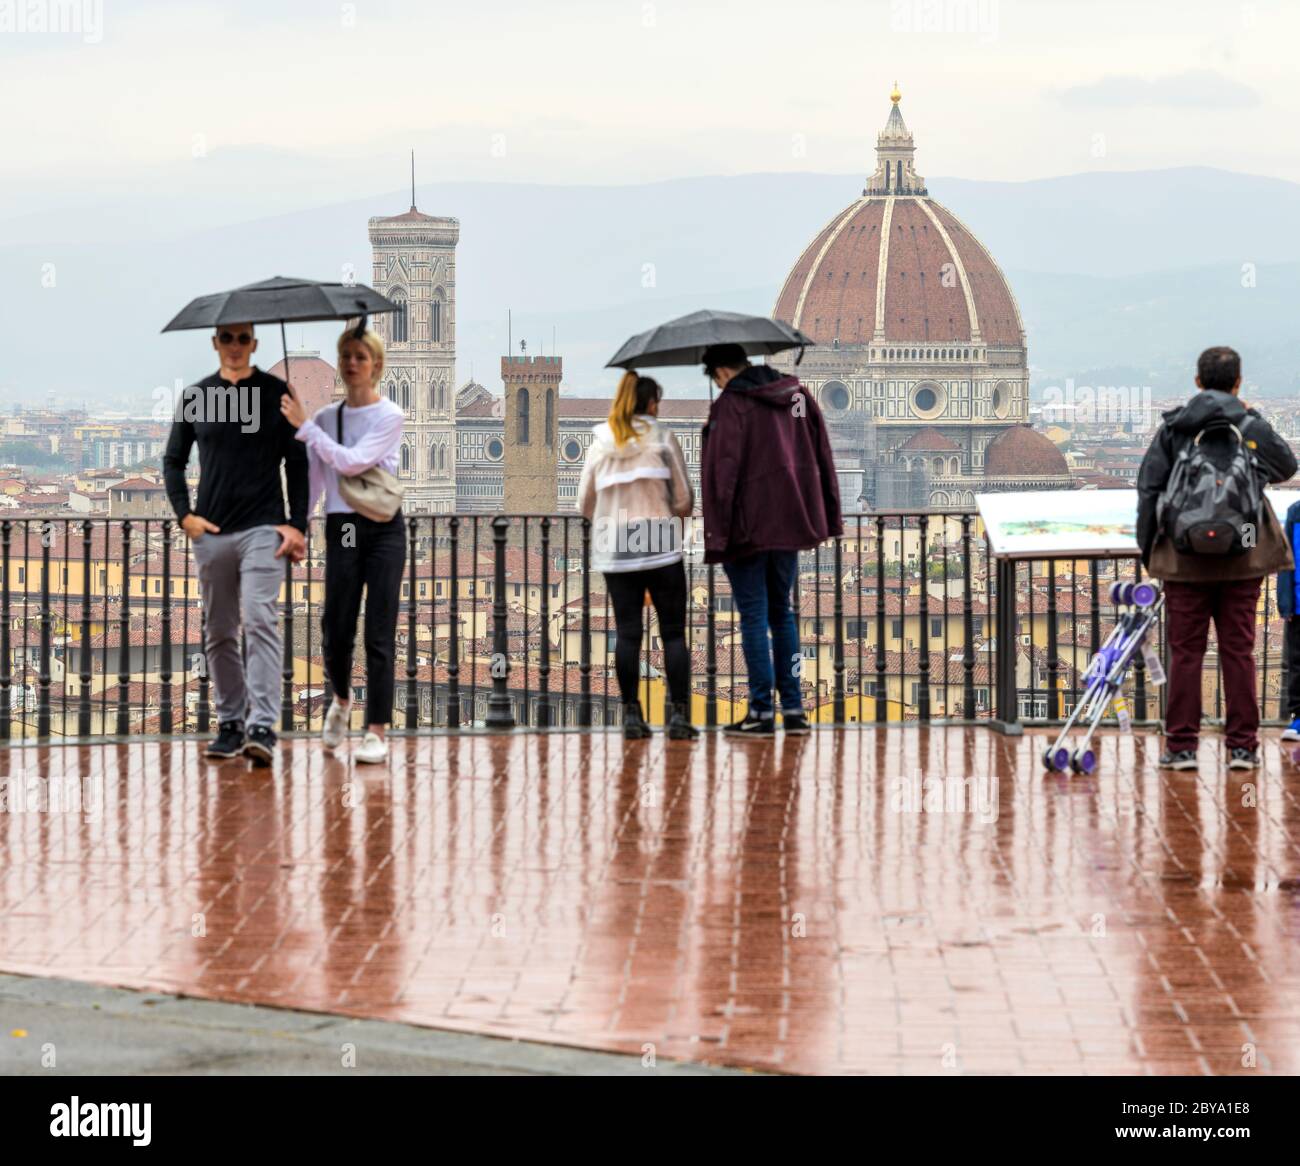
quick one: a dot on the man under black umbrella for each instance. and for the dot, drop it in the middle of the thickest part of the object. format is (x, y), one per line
(239, 532)
(769, 491)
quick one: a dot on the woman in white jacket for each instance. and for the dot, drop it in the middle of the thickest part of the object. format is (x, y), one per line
(343, 439)
(636, 491)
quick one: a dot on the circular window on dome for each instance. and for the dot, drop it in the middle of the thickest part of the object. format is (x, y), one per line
(495, 449)
(928, 400)
(572, 449)
(835, 396)
(1001, 401)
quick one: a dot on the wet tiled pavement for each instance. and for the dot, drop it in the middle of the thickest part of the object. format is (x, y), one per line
(804, 905)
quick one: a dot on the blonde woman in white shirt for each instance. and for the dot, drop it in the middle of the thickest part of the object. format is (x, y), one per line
(360, 553)
(635, 488)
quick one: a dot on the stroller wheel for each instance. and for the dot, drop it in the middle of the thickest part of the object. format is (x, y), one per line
(1049, 759)
(1145, 594)
(1083, 761)
(1121, 593)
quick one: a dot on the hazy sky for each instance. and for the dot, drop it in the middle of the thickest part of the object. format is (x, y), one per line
(156, 96)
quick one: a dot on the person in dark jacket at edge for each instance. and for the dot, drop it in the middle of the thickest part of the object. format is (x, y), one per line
(1224, 588)
(1288, 607)
(769, 491)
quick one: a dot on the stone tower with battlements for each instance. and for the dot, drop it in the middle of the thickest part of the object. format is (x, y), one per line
(532, 409)
(415, 265)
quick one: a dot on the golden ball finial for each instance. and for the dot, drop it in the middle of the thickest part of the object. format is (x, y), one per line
(895, 97)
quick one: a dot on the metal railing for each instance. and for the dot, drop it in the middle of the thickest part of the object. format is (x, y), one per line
(504, 623)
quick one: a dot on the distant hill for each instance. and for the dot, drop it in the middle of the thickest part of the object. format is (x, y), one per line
(1130, 270)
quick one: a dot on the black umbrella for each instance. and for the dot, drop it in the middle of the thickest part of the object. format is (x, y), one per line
(281, 300)
(683, 341)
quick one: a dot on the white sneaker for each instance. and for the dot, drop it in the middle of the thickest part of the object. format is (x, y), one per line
(372, 751)
(336, 725)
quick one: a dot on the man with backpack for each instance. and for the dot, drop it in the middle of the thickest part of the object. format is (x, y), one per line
(1205, 528)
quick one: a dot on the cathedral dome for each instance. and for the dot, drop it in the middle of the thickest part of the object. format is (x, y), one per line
(897, 267)
(1022, 452)
(314, 378)
(928, 440)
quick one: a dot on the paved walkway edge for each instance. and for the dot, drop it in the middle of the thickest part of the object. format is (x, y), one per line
(90, 1029)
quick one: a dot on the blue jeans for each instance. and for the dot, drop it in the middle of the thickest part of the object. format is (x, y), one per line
(761, 585)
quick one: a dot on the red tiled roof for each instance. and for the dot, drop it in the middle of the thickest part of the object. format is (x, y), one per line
(929, 438)
(1022, 452)
(830, 294)
(312, 377)
(596, 409)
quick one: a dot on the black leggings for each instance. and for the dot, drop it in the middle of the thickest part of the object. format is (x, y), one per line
(361, 553)
(667, 587)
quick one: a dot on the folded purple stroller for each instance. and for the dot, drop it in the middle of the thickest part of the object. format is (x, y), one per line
(1140, 604)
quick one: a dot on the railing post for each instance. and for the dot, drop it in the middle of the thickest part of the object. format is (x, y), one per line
(837, 702)
(43, 676)
(205, 703)
(711, 653)
(1008, 715)
(584, 651)
(165, 661)
(923, 701)
(968, 623)
(882, 687)
(453, 631)
(87, 672)
(6, 678)
(286, 667)
(124, 638)
(1053, 656)
(1140, 668)
(499, 715)
(544, 668)
(412, 700)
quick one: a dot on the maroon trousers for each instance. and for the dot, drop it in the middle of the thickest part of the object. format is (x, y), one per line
(1189, 607)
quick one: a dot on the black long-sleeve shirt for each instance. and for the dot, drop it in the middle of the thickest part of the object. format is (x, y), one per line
(243, 438)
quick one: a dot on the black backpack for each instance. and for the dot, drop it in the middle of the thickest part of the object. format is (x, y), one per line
(1206, 509)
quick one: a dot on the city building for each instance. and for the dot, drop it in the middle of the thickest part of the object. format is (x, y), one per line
(532, 389)
(919, 359)
(480, 433)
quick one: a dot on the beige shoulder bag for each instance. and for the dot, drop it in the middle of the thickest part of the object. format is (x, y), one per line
(375, 493)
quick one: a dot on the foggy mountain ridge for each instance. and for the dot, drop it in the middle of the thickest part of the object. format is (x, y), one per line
(1134, 269)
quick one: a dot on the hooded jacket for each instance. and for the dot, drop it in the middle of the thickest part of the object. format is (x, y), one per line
(766, 472)
(1288, 600)
(1179, 429)
(637, 495)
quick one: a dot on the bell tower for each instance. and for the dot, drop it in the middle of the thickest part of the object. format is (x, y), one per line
(415, 266)
(532, 431)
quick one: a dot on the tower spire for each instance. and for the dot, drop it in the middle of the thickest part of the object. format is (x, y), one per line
(895, 150)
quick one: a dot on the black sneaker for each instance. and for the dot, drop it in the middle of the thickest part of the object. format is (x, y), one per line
(229, 741)
(634, 726)
(260, 746)
(1178, 759)
(795, 723)
(752, 726)
(679, 726)
(1243, 759)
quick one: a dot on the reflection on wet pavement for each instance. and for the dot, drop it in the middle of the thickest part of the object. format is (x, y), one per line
(889, 901)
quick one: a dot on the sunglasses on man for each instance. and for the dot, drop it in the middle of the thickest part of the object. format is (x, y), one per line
(231, 337)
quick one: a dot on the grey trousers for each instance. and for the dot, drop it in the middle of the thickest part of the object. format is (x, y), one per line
(240, 579)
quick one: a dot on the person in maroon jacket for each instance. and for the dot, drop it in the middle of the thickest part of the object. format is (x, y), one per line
(769, 491)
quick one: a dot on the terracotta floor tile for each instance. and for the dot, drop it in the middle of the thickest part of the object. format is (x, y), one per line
(771, 909)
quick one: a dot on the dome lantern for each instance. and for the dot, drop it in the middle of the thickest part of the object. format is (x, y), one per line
(895, 167)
